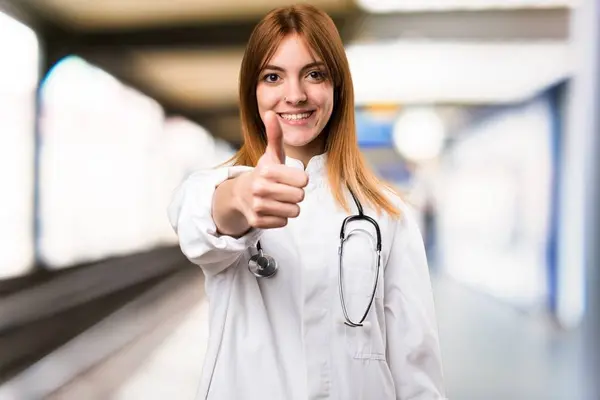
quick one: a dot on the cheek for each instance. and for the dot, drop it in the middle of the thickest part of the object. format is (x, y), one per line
(323, 95)
(266, 99)
(325, 99)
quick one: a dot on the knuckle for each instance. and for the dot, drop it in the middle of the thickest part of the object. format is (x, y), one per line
(258, 204)
(253, 220)
(258, 187)
(265, 171)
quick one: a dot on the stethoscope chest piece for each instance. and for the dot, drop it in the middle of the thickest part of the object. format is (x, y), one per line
(262, 265)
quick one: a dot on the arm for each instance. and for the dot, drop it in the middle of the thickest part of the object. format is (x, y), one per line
(191, 216)
(218, 214)
(413, 351)
(228, 218)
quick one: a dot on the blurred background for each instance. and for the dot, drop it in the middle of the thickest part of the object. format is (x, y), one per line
(484, 112)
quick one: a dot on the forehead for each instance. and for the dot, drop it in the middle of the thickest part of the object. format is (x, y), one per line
(293, 51)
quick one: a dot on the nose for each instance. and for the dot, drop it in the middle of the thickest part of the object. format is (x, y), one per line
(295, 93)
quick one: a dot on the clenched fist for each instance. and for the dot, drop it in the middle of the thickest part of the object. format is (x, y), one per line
(269, 195)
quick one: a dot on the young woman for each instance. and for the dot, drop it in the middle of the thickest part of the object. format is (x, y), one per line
(288, 321)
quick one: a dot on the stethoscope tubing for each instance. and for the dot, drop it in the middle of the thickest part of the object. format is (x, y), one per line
(348, 321)
(259, 272)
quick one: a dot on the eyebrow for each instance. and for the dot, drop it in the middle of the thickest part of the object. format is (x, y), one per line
(307, 66)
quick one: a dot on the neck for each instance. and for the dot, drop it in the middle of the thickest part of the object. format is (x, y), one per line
(308, 151)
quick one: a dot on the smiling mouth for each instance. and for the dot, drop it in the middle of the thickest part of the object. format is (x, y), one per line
(297, 116)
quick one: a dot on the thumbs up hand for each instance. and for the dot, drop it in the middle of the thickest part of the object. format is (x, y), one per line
(274, 153)
(269, 195)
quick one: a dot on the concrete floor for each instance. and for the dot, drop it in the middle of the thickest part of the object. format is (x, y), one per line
(491, 351)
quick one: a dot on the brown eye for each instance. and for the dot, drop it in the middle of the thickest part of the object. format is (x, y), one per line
(316, 75)
(271, 78)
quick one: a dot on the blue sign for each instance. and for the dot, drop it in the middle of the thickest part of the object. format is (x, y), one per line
(373, 132)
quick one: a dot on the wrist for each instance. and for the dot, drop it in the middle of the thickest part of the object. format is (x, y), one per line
(229, 218)
(236, 190)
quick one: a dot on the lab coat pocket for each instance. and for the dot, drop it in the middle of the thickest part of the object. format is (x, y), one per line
(359, 271)
(364, 342)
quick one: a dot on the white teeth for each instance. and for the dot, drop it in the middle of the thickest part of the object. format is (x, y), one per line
(294, 117)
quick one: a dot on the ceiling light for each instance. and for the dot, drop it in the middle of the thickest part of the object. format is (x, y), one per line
(418, 134)
(388, 6)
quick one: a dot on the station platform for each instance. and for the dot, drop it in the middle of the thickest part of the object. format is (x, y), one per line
(152, 347)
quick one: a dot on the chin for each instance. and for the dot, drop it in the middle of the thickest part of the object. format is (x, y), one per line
(299, 139)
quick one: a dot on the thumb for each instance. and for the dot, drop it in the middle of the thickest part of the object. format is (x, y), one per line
(274, 149)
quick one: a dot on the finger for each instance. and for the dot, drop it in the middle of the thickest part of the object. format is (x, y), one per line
(285, 175)
(274, 149)
(268, 207)
(279, 192)
(267, 222)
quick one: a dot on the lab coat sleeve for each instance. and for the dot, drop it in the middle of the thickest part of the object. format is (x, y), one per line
(190, 215)
(413, 350)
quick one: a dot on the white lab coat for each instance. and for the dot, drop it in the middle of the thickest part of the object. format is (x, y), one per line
(284, 338)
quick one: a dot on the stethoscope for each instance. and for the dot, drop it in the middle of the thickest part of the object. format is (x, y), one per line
(265, 266)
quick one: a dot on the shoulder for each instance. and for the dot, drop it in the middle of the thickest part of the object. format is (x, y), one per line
(400, 201)
(407, 224)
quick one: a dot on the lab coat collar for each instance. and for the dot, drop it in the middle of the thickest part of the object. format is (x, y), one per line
(315, 165)
(315, 169)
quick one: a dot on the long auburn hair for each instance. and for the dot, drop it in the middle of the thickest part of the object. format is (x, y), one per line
(346, 166)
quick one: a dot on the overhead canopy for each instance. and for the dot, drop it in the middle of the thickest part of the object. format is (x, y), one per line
(111, 14)
(186, 53)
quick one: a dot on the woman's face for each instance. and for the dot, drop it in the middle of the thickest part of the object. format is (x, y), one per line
(296, 87)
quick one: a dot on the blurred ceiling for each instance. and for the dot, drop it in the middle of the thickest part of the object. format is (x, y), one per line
(118, 14)
(186, 53)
